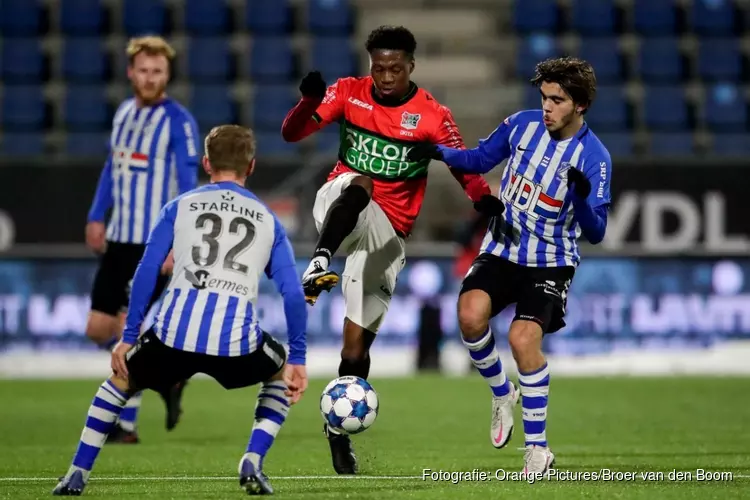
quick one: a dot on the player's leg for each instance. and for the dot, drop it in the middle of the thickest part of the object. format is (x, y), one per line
(540, 310)
(481, 298)
(337, 210)
(103, 324)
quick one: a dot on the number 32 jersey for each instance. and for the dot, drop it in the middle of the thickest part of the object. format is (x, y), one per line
(224, 241)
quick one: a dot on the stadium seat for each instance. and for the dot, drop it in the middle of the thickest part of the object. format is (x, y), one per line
(22, 61)
(604, 54)
(87, 143)
(659, 60)
(268, 17)
(654, 17)
(143, 17)
(531, 97)
(330, 17)
(713, 17)
(533, 49)
(22, 144)
(725, 108)
(732, 144)
(84, 60)
(270, 143)
(23, 108)
(719, 59)
(209, 60)
(206, 17)
(594, 17)
(617, 143)
(535, 16)
(212, 105)
(610, 110)
(672, 144)
(334, 58)
(20, 18)
(85, 108)
(271, 60)
(270, 106)
(665, 108)
(82, 17)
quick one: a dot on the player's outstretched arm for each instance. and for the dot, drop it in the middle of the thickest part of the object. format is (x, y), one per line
(301, 120)
(158, 247)
(282, 270)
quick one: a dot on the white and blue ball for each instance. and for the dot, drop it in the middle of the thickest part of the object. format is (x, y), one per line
(349, 405)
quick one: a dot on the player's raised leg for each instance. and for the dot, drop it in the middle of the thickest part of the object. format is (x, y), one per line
(337, 210)
(475, 308)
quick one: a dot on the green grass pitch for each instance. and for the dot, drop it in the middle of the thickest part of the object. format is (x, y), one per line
(630, 425)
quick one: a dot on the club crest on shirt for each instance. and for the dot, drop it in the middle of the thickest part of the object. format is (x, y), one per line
(409, 121)
(562, 170)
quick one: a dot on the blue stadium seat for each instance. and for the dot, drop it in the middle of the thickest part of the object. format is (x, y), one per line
(617, 143)
(725, 108)
(85, 108)
(212, 105)
(535, 15)
(672, 144)
(533, 49)
(270, 143)
(719, 59)
(732, 144)
(22, 60)
(659, 60)
(268, 17)
(23, 108)
(531, 97)
(271, 59)
(665, 108)
(713, 17)
(206, 17)
(84, 60)
(82, 17)
(143, 17)
(87, 143)
(20, 18)
(22, 144)
(604, 54)
(328, 140)
(271, 103)
(330, 17)
(209, 60)
(654, 17)
(334, 58)
(594, 17)
(610, 110)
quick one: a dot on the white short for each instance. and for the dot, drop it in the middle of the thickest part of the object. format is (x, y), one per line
(375, 257)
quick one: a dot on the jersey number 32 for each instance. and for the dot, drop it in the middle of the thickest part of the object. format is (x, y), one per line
(211, 239)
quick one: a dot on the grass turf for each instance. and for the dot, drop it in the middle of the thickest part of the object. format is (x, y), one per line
(631, 425)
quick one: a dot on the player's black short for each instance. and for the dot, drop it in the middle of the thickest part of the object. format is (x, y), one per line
(539, 293)
(111, 291)
(154, 365)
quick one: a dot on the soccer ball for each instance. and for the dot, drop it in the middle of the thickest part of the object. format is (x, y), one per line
(349, 405)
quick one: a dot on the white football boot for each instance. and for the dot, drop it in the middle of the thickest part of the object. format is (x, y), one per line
(501, 428)
(537, 460)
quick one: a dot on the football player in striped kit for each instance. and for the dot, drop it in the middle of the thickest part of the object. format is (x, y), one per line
(555, 188)
(224, 239)
(153, 157)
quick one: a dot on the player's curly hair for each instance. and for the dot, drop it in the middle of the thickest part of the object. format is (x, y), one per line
(575, 76)
(392, 38)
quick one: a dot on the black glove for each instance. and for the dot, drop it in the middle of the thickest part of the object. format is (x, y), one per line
(578, 183)
(313, 85)
(424, 151)
(489, 206)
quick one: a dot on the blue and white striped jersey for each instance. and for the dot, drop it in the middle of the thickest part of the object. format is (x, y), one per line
(224, 239)
(539, 226)
(153, 157)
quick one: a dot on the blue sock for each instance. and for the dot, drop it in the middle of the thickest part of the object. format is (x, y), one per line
(103, 412)
(270, 413)
(535, 392)
(486, 359)
(129, 414)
